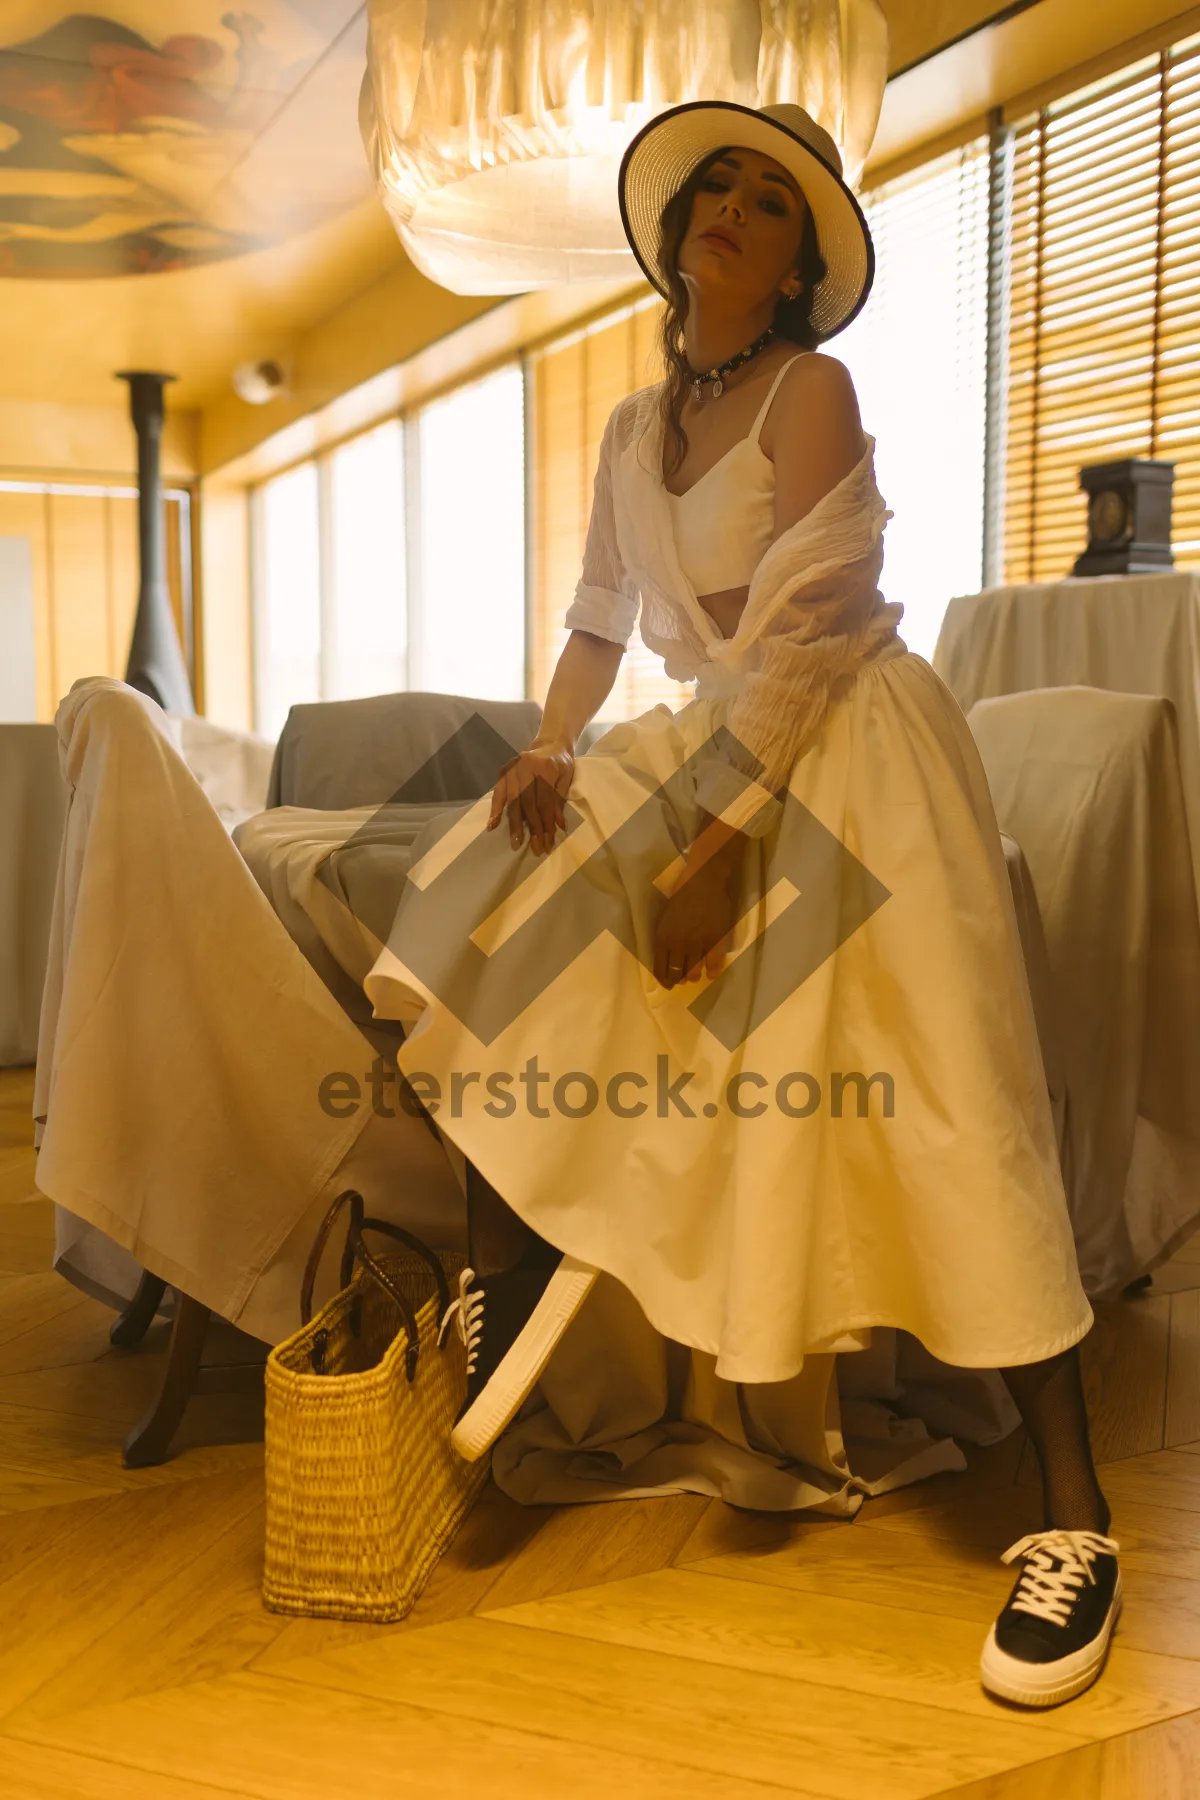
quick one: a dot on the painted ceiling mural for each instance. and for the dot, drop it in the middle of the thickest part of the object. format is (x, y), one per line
(120, 148)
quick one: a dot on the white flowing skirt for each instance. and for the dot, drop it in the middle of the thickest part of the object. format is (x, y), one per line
(848, 1129)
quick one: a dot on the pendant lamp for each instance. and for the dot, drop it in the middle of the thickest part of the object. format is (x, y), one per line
(495, 128)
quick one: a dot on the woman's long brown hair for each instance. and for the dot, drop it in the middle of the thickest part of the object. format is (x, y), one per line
(793, 318)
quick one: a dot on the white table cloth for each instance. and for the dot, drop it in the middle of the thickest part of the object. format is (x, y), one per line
(33, 804)
(183, 1045)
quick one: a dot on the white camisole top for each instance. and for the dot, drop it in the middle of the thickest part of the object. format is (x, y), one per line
(725, 522)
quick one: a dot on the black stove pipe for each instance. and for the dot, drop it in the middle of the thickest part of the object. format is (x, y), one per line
(156, 663)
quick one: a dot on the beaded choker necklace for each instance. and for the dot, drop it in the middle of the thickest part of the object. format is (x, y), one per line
(717, 375)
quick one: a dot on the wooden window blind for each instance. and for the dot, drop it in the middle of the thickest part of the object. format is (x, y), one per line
(574, 383)
(1103, 304)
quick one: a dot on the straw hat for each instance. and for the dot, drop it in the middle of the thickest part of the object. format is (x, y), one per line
(665, 152)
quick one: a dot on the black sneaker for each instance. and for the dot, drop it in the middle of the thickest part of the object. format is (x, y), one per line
(1050, 1641)
(510, 1324)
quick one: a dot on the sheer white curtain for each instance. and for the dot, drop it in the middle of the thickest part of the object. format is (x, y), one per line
(918, 355)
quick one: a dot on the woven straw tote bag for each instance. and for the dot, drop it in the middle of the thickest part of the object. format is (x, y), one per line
(364, 1490)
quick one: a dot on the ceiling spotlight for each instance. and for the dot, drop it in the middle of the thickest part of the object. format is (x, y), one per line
(258, 382)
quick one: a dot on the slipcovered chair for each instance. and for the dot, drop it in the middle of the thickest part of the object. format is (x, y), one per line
(1088, 782)
(1041, 985)
(416, 748)
(352, 783)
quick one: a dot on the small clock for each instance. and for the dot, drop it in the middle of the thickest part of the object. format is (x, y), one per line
(1129, 517)
(1108, 517)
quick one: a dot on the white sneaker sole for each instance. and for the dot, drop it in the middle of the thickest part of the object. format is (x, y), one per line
(1047, 1684)
(519, 1368)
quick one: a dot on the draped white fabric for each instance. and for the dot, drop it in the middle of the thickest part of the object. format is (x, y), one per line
(1089, 781)
(184, 1041)
(495, 133)
(1064, 684)
(232, 767)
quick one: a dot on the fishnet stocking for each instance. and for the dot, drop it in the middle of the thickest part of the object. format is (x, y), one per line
(1049, 1396)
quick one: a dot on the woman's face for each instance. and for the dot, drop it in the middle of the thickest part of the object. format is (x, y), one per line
(743, 238)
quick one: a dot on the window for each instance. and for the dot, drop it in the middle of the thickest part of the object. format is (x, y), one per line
(288, 597)
(918, 355)
(1103, 347)
(469, 598)
(365, 636)
(397, 560)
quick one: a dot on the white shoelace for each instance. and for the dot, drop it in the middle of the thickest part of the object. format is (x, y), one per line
(1050, 1592)
(466, 1315)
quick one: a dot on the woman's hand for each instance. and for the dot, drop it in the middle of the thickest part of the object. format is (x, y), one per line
(531, 788)
(695, 926)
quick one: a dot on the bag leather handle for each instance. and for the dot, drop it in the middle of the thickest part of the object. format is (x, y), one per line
(356, 1251)
(379, 1275)
(318, 1250)
(414, 1243)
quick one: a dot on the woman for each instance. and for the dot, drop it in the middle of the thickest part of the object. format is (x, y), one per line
(792, 887)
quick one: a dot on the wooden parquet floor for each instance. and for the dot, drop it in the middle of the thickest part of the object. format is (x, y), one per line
(644, 1650)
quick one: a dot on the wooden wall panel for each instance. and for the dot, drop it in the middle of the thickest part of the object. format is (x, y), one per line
(122, 578)
(608, 372)
(647, 363)
(80, 587)
(561, 501)
(85, 580)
